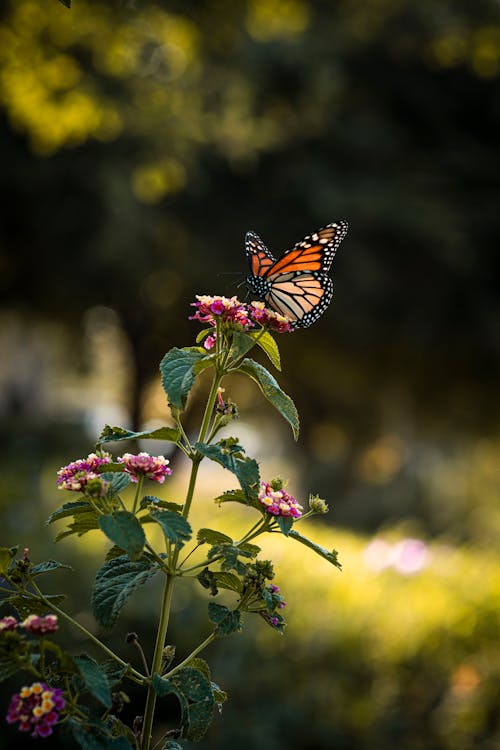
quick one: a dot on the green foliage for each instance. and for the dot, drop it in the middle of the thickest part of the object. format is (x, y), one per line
(178, 371)
(229, 454)
(48, 567)
(96, 736)
(124, 530)
(219, 579)
(85, 518)
(14, 654)
(285, 523)
(230, 554)
(115, 582)
(195, 695)
(332, 556)
(94, 679)
(116, 434)
(241, 344)
(6, 556)
(271, 390)
(171, 745)
(118, 481)
(175, 527)
(32, 604)
(227, 620)
(268, 344)
(210, 536)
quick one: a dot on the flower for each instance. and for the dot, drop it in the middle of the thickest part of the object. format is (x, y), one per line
(40, 624)
(228, 309)
(209, 342)
(269, 319)
(317, 504)
(8, 623)
(278, 502)
(36, 708)
(75, 475)
(151, 467)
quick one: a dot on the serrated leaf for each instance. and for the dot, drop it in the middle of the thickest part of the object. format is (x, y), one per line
(116, 434)
(96, 736)
(178, 374)
(241, 344)
(230, 554)
(27, 605)
(175, 527)
(207, 579)
(115, 582)
(233, 496)
(124, 530)
(150, 501)
(210, 536)
(228, 581)
(332, 556)
(82, 523)
(227, 621)
(118, 481)
(94, 678)
(285, 523)
(273, 393)
(268, 344)
(194, 693)
(6, 557)
(69, 509)
(229, 454)
(114, 673)
(47, 567)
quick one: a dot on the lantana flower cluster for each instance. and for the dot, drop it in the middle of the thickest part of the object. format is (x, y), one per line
(237, 314)
(36, 709)
(35, 624)
(278, 502)
(82, 474)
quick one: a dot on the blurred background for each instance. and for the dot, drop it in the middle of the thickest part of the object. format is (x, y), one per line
(139, 141)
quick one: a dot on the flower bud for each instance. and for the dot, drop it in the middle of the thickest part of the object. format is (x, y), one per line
(317, 505)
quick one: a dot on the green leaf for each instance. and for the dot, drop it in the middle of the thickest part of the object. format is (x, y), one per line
(233, 496)
(271, 390)
(229, 454)
(124, 530)
(6, 556)
(175, 527)
(94, 678)
(230, 554)
(115, 582)
(150, 501)
(14, 654)
(171, 745)
(69, 509)
(114, 673)
(219, 695)
(118, 481)
(96, 736)
(228, 621)
(332, 556)
(229, 581)
(268, 344)
(285, 524)
(47, 567)
(115, 434)
(203, 334)
(178, 373)
(27, 605)
(242, 343)
(194, 693)
(210, 536)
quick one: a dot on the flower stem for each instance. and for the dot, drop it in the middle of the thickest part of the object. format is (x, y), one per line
(191, 656)
(138, 491)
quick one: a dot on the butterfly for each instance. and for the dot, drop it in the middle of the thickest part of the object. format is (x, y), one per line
(297, 284)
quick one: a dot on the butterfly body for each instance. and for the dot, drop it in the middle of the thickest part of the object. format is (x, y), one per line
(297, 284)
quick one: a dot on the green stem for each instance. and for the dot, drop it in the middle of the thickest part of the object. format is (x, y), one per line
(191, 656)
(133, 672)
(138, 491)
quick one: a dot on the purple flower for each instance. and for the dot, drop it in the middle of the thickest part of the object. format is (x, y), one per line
(269, 319)
(8, 623)
(278, 502)
(209, 342)
(75, 475)
(229, 310)
(36, 709)
(151, 467)
(40, 624)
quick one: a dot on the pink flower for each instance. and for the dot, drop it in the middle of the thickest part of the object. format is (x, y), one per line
(209, 342)
(36, 709)
(8, 623)
(40, 624)
(278, 502)
(75, 475)
(269, 319)
(228, 309)
(151, 467)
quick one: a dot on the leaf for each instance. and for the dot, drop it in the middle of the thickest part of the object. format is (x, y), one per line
(47, 567)
(115, 582)
(124, 530)
(332, 556)
(118, 481)
(233, 496)
(228, 621)
(230, 554)
(285, 524)
(271, 390)
(27, 605)
(175, 527)
(178, 373)
(219, 695)
(229, 581)
(14, 654)
(171, 745)
(194, 693)
(114, 673)
(6, 556)
(210, 536)
(96, 736)
(242, 343)
(116, 434)
(268, 344)
(94, 678)
(149, 501)
(229, 454)
(203, 334)
(69, 509)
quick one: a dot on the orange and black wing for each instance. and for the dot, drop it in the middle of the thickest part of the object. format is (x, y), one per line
(301, 296)
(313, 254)
(260, 259)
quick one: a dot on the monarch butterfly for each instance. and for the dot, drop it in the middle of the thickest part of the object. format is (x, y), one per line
(297, 284)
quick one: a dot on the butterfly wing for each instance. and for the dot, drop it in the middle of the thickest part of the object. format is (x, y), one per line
(301, 296)
(314, 253)
(260, 259)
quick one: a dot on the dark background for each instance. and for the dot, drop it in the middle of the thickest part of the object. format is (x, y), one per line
(138, 143)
